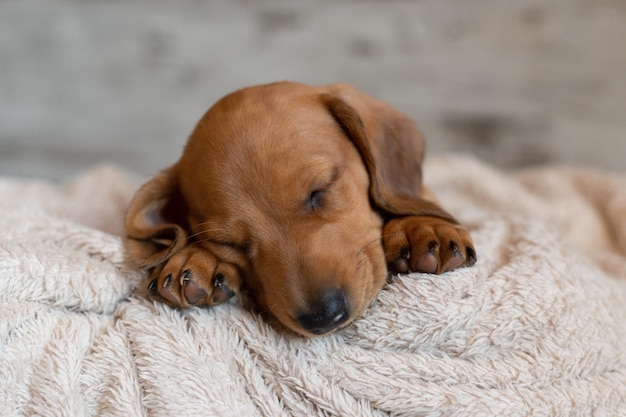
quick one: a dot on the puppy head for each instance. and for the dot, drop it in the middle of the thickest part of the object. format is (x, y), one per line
(290, 183)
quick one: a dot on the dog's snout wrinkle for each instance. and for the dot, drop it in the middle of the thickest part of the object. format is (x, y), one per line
(326, 314)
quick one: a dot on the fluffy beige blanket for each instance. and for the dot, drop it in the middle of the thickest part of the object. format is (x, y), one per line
(537, 327)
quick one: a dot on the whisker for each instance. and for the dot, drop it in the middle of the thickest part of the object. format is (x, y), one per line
(203, 223)
(214, 227)
(197, 242)
(191, 236)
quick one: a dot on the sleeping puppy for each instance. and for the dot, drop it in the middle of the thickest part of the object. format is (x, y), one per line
(304, 196)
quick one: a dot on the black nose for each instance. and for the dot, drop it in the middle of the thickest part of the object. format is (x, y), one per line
(328, 313)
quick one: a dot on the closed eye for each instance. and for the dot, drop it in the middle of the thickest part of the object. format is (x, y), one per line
(243, 248)
(316, 200)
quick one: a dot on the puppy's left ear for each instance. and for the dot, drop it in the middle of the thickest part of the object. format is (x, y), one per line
(391, 147)
(155, 221)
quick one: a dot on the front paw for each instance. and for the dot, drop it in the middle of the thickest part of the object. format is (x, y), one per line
(194, 277)
(426, 244)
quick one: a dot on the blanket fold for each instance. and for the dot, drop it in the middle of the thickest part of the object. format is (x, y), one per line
(537, 327)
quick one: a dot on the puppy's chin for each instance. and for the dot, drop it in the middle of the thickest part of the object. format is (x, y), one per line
(296, 331)
(281, 319)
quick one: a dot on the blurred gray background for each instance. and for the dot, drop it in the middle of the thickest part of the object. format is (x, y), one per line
(515, 83)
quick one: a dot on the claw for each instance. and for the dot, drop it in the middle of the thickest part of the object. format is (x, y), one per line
(222, 292)
(166, 290)
(152, 286)
(185, 277)
(471, 256)
(167, 281)
(218, 281)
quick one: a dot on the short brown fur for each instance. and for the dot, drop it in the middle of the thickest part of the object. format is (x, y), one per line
(305, 196)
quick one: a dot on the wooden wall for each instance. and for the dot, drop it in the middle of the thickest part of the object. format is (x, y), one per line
(516, 83)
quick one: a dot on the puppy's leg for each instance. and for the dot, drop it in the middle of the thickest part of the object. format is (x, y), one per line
(194, 277)
(426, 244)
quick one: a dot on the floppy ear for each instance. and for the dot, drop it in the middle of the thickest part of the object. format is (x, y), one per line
(392, 150)
(155, 221)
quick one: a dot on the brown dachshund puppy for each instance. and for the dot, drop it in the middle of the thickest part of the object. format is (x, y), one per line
(302, 195)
